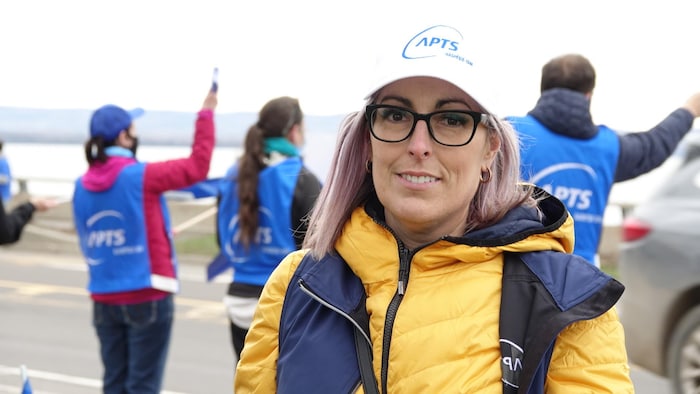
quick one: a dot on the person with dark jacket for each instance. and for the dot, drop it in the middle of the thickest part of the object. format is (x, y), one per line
(577, 160)
(12, 223)
(263, 206)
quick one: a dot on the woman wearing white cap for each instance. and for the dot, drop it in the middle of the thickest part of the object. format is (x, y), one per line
(430, 268)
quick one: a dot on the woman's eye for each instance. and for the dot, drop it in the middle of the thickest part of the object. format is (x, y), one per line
(455, 119)
(394, 115)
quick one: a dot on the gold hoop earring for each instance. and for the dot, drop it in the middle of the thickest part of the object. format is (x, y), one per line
(485, 176)
(368, 166)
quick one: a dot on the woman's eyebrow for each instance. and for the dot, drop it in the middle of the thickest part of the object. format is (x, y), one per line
(441, 103)
(444, 102)
(406, 102)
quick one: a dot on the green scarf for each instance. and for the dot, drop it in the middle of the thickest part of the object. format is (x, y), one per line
(281, 145)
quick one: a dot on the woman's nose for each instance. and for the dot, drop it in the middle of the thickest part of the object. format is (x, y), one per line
(420, 143)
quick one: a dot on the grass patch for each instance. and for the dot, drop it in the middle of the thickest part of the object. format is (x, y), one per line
(205, 245)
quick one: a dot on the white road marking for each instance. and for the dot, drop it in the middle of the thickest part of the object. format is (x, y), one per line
(57, 377)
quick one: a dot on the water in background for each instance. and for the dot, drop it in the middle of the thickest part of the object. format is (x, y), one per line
(52, 168)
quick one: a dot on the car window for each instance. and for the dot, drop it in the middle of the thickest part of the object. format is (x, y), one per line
(689, 146)
(685, 182)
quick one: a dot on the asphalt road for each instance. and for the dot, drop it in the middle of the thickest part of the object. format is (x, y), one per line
(45, 325)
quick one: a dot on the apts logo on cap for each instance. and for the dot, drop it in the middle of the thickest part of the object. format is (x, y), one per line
(439, 51)
(435, 41)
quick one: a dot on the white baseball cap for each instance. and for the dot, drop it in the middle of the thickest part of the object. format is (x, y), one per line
(439, 51)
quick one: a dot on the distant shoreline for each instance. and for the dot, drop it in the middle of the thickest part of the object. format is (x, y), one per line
(69, 126)
(10, 138)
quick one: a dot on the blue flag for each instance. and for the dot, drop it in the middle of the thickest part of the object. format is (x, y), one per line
(217, 266)
(206, 188)
(26, 387)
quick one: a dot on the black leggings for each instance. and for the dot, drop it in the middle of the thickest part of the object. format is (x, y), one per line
(237, 337)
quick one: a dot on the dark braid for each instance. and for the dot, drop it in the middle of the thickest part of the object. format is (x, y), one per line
(275, 119)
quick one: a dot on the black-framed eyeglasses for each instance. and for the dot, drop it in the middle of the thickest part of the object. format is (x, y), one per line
(390, 123)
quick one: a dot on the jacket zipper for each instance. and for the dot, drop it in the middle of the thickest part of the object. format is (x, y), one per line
(405, 256)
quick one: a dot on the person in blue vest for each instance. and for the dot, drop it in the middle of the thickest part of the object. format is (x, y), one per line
(125, 235)
(578, 161)
(263, 204)
(428, 266)
(5, 177)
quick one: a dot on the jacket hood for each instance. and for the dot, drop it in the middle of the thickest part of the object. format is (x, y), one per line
(101, 176)
(366, 238)
(565, 112)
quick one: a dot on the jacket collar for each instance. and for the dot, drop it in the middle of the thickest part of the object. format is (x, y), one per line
(516, 225)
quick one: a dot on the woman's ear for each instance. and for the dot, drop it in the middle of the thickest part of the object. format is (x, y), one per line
(123, 139)
(296, 135)
(492, 147)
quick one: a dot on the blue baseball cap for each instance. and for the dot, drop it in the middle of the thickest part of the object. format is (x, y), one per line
(110, 120)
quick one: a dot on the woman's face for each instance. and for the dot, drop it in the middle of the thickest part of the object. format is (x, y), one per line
(426, 188)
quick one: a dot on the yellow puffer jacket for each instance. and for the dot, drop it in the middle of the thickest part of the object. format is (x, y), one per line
(445, 338)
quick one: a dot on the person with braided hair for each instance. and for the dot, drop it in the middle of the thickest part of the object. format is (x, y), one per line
(263, 203)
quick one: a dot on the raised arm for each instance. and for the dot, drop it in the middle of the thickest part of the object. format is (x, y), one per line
(644, 151)
(178, 173)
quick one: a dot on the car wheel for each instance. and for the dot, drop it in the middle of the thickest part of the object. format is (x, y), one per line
(683, 354)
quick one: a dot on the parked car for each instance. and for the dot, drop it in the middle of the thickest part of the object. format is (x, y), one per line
(660, 266)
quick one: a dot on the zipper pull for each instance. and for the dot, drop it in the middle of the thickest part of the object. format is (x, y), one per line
(403, 269)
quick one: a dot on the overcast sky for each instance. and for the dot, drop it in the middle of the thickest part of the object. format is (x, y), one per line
(159, 54)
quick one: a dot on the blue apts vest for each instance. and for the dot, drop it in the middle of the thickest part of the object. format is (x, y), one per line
(273, 240)
(111, 228)
(578, 172)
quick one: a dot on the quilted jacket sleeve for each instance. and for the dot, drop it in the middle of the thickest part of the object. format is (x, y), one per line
(257, 368)
(590, 357)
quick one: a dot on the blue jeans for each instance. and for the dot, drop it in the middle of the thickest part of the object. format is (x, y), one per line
(134, 341)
